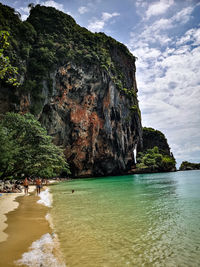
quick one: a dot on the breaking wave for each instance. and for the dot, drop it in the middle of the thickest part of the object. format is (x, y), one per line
(45, 198)
(41, 253)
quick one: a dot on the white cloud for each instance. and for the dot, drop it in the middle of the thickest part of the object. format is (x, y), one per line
(169, 93)
(83, 9)
(156, 32)
(196, 37)
(147, 11)
(185, 39)
(147, 53)
(106, 16)
(168, 78)
(140, 3)
(192, 35)
(97, 25)
(152, 35)
(183, 15)
(158, 8)
(24, 17)
(53, 4)
(24, 10)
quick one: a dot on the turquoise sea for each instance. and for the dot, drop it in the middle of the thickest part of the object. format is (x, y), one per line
(134, 220)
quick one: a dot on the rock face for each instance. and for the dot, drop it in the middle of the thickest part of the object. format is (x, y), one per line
(152, 138)
(155, 155)
(93, 120)
(86, 99)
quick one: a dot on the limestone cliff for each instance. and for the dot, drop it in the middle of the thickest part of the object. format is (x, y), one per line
(152, 138)
(155, 155)
(81, 86)
(92, 119)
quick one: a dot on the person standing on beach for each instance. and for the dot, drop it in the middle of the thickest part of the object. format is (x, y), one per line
(26, 186)
(38, 185)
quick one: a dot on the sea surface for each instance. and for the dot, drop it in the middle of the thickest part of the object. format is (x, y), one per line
(134, 220)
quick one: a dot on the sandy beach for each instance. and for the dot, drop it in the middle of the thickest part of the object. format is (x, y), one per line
(22, 223)
(8, 203)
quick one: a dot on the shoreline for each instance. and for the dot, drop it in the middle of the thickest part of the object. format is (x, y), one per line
(26, 230)
(8, 204)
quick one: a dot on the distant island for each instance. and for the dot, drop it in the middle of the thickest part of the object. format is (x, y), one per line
(187, 166)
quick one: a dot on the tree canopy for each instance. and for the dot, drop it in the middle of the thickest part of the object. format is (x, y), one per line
(26, 149)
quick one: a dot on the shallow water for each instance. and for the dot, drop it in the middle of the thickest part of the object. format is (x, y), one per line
(135, 220)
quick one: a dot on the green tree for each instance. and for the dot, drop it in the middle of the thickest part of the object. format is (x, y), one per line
(168, 163)
(155, 161)
(27, 149)
(7, 153)
(7, 71)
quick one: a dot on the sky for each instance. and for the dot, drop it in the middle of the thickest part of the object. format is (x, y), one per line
(164, 35)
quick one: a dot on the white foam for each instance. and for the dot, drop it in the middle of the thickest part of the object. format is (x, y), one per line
(49, 219)
(41, 254)
(45, 198)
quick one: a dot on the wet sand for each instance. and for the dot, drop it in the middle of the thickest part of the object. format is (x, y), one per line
(8, 203)
(26, 224)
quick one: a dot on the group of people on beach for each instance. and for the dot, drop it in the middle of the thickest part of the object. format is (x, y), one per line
(37, 182)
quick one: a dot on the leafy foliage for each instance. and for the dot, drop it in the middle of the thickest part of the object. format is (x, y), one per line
(27, 149)
(155, 161)
(7, 71)
(185, 165)
(135, 109)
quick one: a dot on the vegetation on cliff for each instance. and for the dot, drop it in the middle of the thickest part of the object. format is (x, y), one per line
(50, 38)
(154, 160)
(155, 154)
(26, 149)
(7, 71)
(185, 165)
